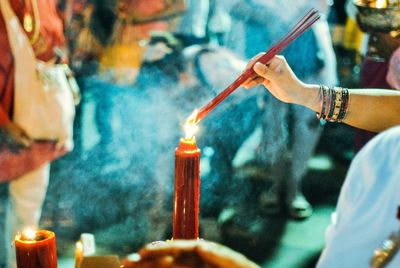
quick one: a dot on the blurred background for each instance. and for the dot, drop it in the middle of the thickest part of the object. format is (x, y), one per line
(270, 172)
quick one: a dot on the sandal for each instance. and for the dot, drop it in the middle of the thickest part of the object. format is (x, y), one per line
(300, 208)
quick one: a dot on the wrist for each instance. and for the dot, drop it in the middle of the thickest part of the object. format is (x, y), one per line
(310, 96)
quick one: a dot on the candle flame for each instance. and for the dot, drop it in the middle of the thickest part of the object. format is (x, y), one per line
(381, 4)
(191, 127)
(192, 119)
(190, 130)
(29, 233)
(79, 246)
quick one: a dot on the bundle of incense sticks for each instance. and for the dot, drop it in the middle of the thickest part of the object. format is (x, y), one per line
(300, 27)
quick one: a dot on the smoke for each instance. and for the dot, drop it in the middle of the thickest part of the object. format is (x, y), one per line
(119, 180)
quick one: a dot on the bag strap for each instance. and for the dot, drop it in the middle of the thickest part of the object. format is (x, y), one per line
(16, 35)
(33, 23)
(26, 79)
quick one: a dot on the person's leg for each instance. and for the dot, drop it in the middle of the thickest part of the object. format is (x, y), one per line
(104, 111)
(225, 132)
(26, 196)
(305, 133)
(273, 153)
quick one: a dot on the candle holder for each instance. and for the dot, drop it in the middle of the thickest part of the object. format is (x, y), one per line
(85, 251)
(36, 249)
(382, 16)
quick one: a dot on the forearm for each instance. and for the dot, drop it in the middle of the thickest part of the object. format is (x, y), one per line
(370, 109)
(373, 109)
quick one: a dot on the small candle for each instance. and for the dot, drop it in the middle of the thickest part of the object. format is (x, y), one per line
(78, 254)
(381, 4)
(378, 4)
(186, 189)
(36, 249)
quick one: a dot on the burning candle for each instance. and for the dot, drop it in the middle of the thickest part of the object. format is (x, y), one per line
(187, 187)
(377, 3)
(36, 249)
(381, 4)
(78, 254)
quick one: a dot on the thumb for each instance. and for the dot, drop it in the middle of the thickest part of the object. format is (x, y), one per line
(262, 70)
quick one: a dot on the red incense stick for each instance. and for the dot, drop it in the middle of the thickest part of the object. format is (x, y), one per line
(300, 27)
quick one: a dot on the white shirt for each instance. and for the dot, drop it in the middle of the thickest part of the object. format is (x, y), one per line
(194, 20)
(366, 210)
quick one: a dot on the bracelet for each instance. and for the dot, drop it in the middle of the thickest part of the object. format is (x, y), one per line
(334, 103)
(323, 100)
(332, 106)
(344, 106)
(337, 104)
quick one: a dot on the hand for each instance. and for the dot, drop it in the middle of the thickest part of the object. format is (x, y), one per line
(14, 137)
(278, 78)
(192, 253)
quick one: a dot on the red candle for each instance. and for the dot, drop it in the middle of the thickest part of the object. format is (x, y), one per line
(186, 190)
(36, 249)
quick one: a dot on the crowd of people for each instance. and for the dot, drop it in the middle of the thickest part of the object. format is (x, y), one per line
(143, 66)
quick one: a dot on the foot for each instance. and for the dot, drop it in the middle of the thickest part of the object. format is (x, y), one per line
(270, 201)
(299, 208)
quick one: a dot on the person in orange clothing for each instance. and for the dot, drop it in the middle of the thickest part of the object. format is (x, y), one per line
(44, 29)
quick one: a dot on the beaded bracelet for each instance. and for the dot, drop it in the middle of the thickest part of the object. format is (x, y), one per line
(332, 107)
(334, 103)
(337, 104)
(344, 106)
(324, 101)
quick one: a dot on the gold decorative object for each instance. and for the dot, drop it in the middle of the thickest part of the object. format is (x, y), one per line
(378, 15)
(28, 23)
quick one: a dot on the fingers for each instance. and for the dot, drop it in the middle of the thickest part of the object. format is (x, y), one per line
(262, 70)
(175, 248)
(254, 79)
(192, 253)
(252, 82)
(163, 262)
(254, 60)
(177, 252)
(220, 256)
(274, 66)
(277, 61)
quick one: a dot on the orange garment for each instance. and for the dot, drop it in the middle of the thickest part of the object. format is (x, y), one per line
(144, 8)
(120, 61)
(51, 36)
